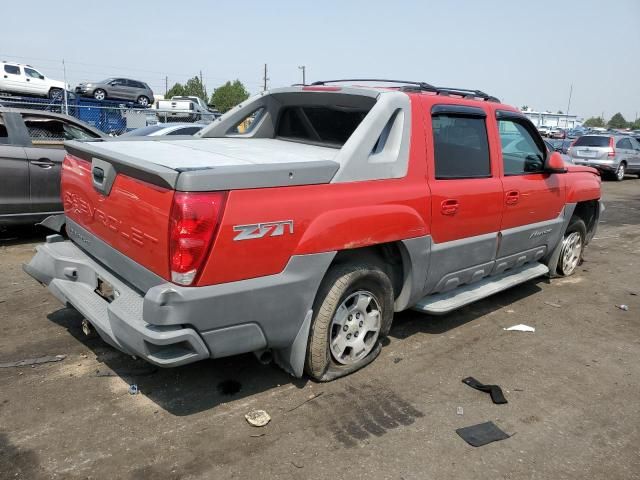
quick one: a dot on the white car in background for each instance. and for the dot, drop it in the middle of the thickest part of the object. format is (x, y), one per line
(544, 130)
(17, 78)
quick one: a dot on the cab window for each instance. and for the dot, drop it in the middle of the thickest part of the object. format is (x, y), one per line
(12, 69)
(521, 154)
(461, 148)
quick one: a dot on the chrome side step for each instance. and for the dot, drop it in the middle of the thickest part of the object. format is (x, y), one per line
(441, 303)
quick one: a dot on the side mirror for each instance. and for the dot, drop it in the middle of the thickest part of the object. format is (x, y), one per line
(41, 77)
(555, 164)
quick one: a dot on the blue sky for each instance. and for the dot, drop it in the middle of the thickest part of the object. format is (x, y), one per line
(524, 52)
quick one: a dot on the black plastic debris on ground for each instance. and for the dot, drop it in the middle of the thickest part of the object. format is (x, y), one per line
(481, 434)
(494, 390)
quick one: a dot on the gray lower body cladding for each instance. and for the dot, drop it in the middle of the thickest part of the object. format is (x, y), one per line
(172, 325)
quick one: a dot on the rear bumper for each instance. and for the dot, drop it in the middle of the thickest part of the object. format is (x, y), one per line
(171, 325)
(72, 277)
(603, 166)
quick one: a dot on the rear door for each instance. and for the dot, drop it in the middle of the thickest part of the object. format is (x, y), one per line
(466, 196)
(533, 199)
(635, 166)
(625, 152)
(14, 169)
(45, 155)
(14, 79)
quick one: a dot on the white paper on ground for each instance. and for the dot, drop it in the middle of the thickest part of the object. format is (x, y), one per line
(520, 328)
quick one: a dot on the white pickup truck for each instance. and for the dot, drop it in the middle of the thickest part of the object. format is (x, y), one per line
(184, 108)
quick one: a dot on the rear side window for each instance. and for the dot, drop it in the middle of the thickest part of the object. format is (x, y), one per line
(624, 143)
(592, 141)
(12, 69)
(318, 124)
(460, 146)
(52, 131)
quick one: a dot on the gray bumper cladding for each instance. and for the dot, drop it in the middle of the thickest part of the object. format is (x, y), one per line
(172, 325)
(72, 277)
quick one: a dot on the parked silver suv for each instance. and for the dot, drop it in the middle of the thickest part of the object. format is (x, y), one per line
(118, 89)
(614, 155)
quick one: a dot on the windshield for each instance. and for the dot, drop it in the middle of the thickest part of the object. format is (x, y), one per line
(592, 141)
(107, 80)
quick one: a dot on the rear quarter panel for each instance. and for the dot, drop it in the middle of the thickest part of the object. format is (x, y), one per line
(326, 218)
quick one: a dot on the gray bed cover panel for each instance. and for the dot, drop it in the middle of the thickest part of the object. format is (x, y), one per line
(215, 163)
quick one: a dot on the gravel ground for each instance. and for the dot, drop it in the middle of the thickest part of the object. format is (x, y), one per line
(572, 388)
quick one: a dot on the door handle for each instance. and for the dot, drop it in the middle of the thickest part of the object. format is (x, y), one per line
(42, 163)
(449, 207)
(512, 197)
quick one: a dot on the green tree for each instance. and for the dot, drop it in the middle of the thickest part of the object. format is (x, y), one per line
(229, 95)
(594, 122)
(176, 91)
(618, 121)
(524, 108)
(560, 112)
(193, 88)
(635, 125)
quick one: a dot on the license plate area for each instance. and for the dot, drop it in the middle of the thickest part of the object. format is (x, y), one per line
(106, 290)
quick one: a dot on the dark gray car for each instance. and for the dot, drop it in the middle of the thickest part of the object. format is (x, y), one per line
(31, 154)
(118, 89)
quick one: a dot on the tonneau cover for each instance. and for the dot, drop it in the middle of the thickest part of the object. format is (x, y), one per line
(203, 164)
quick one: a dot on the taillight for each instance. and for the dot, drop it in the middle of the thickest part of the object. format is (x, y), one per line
(195, 218)
(612, 149)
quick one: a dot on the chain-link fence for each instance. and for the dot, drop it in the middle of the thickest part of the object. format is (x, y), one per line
(114, 117)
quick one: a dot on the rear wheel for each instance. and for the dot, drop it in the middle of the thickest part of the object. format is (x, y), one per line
(99, 94)
(622, 169)
(55, 93)
(352, 313)
(572, 247)
(143, 101)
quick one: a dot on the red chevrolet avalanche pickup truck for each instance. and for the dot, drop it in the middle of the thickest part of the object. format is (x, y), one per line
(295, 225)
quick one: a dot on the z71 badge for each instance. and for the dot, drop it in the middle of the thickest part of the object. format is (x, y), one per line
(259, 230)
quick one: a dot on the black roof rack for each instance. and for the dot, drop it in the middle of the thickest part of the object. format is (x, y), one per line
(427, 87)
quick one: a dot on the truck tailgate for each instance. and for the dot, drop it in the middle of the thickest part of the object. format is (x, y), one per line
(133, 218)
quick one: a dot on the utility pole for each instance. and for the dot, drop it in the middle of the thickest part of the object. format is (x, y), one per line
(264, 79)
(304, 73)
(566, 122)
(65, 109)
(204, 90)
(166, 85)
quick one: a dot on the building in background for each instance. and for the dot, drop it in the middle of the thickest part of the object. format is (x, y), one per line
(550, 119)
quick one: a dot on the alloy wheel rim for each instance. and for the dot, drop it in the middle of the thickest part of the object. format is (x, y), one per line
(571, 250)
(143, 101)
(621, 171)
(355, 327)
(99, 95)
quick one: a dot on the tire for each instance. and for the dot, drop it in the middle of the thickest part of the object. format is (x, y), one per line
(99, 94)
(342, 312)
(54, 92)
(619, 175)
(143, 101)
(572, 248)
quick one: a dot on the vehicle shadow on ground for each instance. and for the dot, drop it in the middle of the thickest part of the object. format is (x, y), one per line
(184, 390)
(411, 322)
(17, 235)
